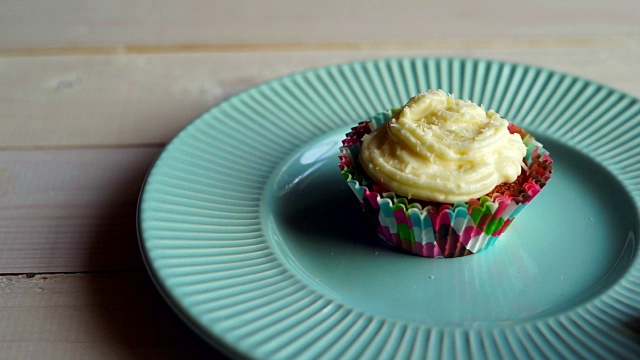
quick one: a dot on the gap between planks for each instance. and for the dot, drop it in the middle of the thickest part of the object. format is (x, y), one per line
(451, 44)
(30, 275)
(81, 147)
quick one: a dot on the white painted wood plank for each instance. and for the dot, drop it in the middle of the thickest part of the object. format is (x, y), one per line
(148, 98)
(91, 316)
(44, 23)
(70, 210)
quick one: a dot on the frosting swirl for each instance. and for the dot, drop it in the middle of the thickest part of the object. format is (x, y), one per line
(438, 148)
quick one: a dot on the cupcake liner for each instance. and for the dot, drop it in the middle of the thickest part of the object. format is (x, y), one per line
(438, 230)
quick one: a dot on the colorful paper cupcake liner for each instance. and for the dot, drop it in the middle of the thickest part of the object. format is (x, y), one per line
(437, 230)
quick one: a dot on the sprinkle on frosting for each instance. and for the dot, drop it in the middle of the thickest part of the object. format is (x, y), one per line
(438, 148)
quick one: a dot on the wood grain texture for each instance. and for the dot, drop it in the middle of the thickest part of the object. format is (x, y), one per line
(42, 23)
(147, 98)
(92, 316)
(71, 210)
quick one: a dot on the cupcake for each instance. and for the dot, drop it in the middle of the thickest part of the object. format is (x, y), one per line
(442, 177)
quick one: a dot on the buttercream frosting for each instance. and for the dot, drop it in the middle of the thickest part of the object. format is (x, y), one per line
(438, 148)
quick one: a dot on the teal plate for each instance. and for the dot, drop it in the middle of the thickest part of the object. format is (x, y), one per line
(253, 236)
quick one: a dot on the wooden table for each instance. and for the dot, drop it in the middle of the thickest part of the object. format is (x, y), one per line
(90, 92)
